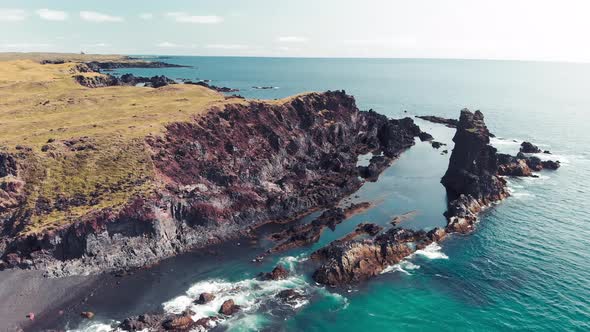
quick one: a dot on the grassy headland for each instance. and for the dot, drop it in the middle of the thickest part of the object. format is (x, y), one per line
(82, 149)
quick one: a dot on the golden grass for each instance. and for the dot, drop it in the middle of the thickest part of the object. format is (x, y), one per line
(37, 57)
(39, 103)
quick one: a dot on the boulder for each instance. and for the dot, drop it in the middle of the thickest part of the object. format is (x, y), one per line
(205, 298)
(437, 145)
(278, 273)
(550, 164)
(229, 308)
(424, 136)
(528, 147)
(181, 322)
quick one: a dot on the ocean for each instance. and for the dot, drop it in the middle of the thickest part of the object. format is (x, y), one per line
(526, 267)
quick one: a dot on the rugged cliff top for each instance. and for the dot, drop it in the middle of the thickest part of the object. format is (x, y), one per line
(81, 150)
(75, 139)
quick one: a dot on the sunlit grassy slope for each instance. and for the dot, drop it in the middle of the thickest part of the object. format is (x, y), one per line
(42, 108)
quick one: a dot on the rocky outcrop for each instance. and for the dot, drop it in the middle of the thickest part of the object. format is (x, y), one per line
(99, 81)
(425, 137)
(437, 145)
(104, 80)
(278, 273)
(451, 123)
(377, 164)
(523, 165)
(111, 65)
(205, 298)
(160, 322)
(472, 180)
(219, 176)
(229, 308)
(528, 147)
(307, 234)
(212, 87)
(349, 262)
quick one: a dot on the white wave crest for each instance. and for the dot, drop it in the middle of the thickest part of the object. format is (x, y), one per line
(403, 266)
(290, 262)
(95, 327)
(250, 294)
(432, 251)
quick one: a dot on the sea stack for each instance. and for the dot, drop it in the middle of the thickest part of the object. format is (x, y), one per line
(472, 180)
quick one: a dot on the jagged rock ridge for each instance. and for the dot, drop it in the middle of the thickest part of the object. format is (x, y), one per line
(234, 168)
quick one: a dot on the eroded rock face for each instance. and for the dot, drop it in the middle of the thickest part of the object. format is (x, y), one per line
(349, 262)
(472, 180)
(222, 174)
(473, 165)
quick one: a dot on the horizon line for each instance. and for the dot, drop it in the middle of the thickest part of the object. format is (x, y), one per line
(309, 57)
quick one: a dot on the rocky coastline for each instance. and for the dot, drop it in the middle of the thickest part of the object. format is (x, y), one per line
(219, 176)
(473, 182)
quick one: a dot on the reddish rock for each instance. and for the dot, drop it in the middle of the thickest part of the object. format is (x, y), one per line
(229, 308)
(179, 323)
(278, 273)
(87, 314)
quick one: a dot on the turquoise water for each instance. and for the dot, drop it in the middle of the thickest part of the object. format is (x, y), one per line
(527, 267)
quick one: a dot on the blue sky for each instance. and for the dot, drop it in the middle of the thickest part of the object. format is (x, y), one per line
(500, 29)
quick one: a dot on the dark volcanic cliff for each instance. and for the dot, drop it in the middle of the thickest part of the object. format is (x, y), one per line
(471, 180)
(234, 168)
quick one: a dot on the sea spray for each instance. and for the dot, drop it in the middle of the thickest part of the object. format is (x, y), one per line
(432, 251)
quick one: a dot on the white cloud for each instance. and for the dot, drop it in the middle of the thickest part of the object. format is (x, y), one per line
(12, 15)
(146, 16)
(186, 18)
(99, 17)
(227, 46)
(52, 15)
(167, 44)
(292, 39)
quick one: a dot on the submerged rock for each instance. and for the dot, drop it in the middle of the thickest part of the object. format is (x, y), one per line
(437, 145)
(278, 273)
(205, 298)
(290, 296)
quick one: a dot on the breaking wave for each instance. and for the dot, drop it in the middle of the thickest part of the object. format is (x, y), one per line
(432, 251)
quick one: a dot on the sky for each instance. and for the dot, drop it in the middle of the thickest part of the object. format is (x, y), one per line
(546, 30)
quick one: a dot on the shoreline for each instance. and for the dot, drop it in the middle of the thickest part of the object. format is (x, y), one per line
(23, 292)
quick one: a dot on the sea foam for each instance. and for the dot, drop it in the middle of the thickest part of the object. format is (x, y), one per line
(432, 251)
